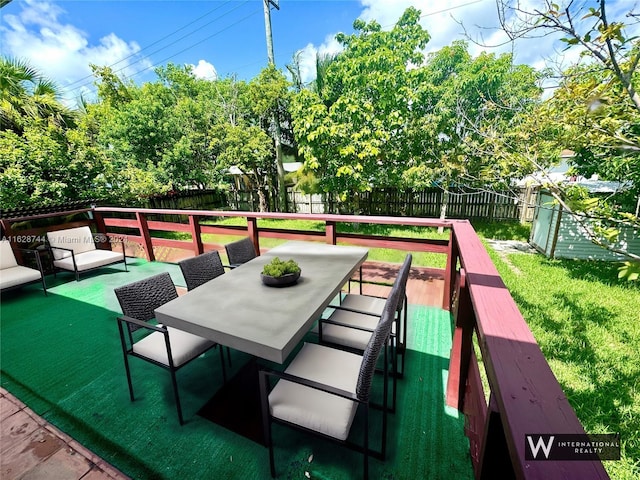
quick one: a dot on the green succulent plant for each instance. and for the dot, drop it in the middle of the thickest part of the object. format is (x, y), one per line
(278, 268)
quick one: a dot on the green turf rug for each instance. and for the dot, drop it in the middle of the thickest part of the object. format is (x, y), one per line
(61, 355)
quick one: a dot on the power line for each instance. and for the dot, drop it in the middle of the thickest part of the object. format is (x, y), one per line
(173, 43)
(162, 39)
(194, 44)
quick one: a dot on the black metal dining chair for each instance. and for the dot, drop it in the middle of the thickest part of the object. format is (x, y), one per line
(351, 323)
(166, 347)
(199, 270)
(240, 251)
(323, 387)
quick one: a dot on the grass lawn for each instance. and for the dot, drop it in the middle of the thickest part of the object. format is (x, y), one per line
(587, 324)
(586, 321)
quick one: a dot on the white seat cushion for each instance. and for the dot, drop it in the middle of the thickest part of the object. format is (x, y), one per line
(349, 337)
(88, 260)
(312, 408)
(12, 276)
(78, 239)
(364, 303)
(7, 258)
(184, 347)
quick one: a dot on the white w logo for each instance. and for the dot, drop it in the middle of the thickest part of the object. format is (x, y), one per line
(546, 448)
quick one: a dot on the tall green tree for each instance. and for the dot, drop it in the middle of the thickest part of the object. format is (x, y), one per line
(269, 94)
(156, 134)
(596, 109)
(27, 96)
(353, 132)
(46, 151)
(386, 116)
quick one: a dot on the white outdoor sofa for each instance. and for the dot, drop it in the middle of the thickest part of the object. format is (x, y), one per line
(13, 275)
(74, 249)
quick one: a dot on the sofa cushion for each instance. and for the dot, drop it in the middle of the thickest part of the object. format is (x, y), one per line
(89, 259)
(79, 239)
(7, 258)
(18, 275)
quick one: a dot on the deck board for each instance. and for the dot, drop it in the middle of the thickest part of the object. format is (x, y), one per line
(424, 287)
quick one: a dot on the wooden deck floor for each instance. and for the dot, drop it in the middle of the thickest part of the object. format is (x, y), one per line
(424, 287)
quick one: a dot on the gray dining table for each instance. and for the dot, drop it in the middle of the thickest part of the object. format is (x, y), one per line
(238, 311)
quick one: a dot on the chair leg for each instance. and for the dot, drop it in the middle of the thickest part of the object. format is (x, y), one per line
(229, 355)
(366, 443)
(126, 367)
(126, 359)
(266, 420)
(394, 369)
(224, 370)
(174, 381)
(403, 338)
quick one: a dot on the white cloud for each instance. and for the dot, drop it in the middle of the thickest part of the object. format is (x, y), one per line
(62, 52)
(477, 22)
(307, 56)
(205, 70)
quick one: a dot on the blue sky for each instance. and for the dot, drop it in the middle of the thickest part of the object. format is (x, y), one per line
(226, 37)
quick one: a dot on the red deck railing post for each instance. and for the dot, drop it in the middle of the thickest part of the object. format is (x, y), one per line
(194, 223)
(254, 234)
(330, 232)
(461, 346)
(143, 227)
(450, 271)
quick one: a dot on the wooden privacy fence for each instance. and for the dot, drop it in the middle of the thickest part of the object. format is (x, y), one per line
(518, 204)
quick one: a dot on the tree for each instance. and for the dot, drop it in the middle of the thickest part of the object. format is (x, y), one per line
(26, 95)
(596, 109)
(269, 96)
(603, 41)
(156, 134)
(249, 148)
(353, 131)
(459, 99)
(45, 151)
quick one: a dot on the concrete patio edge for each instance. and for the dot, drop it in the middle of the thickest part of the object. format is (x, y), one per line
(30, 447)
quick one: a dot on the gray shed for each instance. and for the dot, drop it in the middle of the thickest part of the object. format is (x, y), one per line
(557, 234)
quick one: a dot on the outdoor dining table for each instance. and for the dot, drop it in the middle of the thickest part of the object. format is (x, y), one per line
(238, 311)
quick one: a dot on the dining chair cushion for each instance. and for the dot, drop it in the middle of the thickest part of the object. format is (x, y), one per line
(311, 408)
(184, 347)
(88, 260)
(350, 337)
(364, 303)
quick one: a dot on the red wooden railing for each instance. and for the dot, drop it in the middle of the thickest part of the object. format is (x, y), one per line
(524, 398)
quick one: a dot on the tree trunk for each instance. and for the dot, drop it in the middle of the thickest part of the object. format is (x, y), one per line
(282, 188)
(443, 208)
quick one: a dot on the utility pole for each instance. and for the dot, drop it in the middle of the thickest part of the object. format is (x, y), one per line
(282, 189)
(267, 25)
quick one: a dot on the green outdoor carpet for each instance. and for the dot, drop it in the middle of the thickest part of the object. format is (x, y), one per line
(61, 355)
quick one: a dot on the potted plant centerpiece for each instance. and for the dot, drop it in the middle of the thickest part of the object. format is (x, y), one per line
(280, 273)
